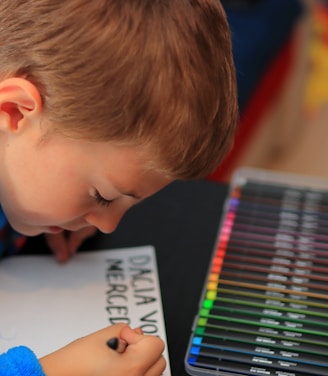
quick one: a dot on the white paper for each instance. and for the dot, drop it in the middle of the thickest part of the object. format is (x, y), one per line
(45, 305)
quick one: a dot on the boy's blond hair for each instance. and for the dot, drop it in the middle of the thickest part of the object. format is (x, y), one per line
(153, 72)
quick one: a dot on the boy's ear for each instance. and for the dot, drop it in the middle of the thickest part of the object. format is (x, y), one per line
(20, 103)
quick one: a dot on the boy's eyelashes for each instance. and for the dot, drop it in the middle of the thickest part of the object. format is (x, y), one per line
(101, 200)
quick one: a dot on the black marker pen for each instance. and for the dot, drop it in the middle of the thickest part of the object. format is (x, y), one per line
(117, 344)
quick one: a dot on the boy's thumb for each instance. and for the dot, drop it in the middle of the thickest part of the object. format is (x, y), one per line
(131, 335)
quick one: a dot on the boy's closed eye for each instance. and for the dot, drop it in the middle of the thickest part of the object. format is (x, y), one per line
(101, 200)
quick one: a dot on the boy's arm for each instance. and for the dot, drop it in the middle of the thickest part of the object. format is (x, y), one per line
(90, 356)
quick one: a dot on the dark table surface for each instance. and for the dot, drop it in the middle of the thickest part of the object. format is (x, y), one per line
(181, 222)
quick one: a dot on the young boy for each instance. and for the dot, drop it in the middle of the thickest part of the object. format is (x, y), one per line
(102, 104)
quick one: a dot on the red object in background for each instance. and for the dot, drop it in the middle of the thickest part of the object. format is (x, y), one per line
(266, 91)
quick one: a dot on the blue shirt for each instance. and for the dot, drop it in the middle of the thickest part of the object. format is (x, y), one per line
(20, 361)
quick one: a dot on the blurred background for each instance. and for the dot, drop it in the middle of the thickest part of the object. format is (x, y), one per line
(280, 50)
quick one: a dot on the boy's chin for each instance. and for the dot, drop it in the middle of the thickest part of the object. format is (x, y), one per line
(28, 230)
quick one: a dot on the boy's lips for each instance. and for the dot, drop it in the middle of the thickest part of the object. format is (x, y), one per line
(55, 229)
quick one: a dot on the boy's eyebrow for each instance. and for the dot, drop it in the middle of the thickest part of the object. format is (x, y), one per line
(130, 194)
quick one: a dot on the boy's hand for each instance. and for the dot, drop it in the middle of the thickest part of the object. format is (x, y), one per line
(90, 356)
(65, 244)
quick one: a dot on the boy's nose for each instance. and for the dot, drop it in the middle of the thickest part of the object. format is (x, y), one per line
(105, 222)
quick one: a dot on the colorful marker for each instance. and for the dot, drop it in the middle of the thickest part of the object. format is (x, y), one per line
(264, 309)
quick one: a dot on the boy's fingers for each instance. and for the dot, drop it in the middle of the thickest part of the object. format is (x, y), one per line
(64, 245)
(158, 368)
(138, 330)
(152, 346)
(75, 239)
(58, 245)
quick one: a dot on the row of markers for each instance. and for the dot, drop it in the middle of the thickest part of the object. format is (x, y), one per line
(265, 305)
